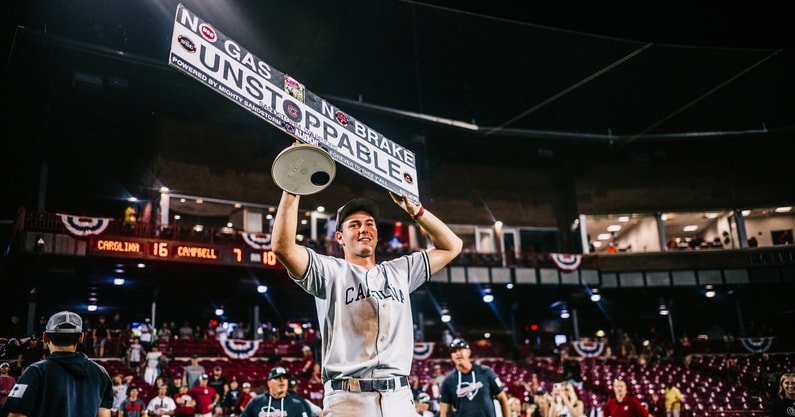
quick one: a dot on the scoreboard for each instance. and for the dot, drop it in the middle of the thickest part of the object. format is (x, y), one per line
(169, 250)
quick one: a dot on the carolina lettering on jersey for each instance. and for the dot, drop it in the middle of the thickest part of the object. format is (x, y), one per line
(359, 293)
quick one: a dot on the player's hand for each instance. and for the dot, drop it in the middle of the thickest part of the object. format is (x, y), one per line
(406, 204)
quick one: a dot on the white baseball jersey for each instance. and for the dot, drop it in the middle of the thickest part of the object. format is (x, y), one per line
(365, 316)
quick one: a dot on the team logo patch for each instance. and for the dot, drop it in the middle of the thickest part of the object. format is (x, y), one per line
(408, 178)
(469, 390)
(342, 118)
(186, 43)
(292, 111)
(208, 32)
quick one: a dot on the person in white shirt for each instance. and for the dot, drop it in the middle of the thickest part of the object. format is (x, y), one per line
(152, 370)
(162, 405)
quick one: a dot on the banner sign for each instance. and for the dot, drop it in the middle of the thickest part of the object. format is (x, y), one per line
(202, 52)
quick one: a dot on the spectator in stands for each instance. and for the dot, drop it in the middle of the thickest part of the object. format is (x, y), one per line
(673, 400)
(240, 331)
(307, 362)
(162, 404)
(470, 390)
(656, 405)
(784, 403)
(623, 405)
(277, 401)
(205, 397)
(164, 334)
(185, 332)
(192, 373)
(185, 403)
(174, 385)
(515, 406)
(434, 389)
(31, 353)
(119, 340)
(317, 374)
(120, 385)
(6, 382)
(541, 403)
(101, 335)
(565, 402)
(219, 383)
(124, 341)
(353, 348)
(416, 388)
(135, 354)
(275, 356)
(146, 334)
(132, 406)
(572, 372)
(39, 327)
(230, 397)
(198, 332)
(153, 360)
(245, 396)
(423, 404)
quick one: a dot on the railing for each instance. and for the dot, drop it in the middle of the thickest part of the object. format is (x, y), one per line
(778, 256)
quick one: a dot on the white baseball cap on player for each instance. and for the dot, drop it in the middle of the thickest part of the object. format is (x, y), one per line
(64, 322)
(357, 204)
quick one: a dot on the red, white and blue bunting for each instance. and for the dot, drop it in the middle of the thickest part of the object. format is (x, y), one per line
(257, 240)
(84, 226)
(423, 350)
(589, 349)
(756, 344)
(239, 348)
(566, 262)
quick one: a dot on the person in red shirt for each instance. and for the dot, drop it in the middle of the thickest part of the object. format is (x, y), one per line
(623, 405)
(205, 397)
(185, 402)
(245, 396)
(6, 382)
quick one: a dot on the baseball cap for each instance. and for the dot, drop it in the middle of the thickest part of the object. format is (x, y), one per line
(205, 376)
(458, 344)
(357, 204)
(64, 322)
(277, 372)
(424, 398)
(246, 385)
(5, 365)
(541, 391)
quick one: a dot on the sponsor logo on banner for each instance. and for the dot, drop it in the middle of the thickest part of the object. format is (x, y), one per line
(206, 54)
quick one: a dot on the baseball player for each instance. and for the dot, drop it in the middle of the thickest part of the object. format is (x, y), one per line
(363, 307)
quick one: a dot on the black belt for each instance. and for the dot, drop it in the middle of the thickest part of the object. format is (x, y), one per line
(369, 385)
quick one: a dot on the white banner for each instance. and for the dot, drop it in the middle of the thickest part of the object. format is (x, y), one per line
(202, 52)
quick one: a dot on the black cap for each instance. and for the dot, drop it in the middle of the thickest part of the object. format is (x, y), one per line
(357, 204)
(541, 391)
(458, 344)
(277, 372)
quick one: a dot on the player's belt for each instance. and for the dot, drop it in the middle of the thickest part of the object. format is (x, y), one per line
(369, 385)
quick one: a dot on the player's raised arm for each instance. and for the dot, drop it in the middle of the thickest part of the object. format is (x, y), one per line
(291, 255)
(447, 245)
